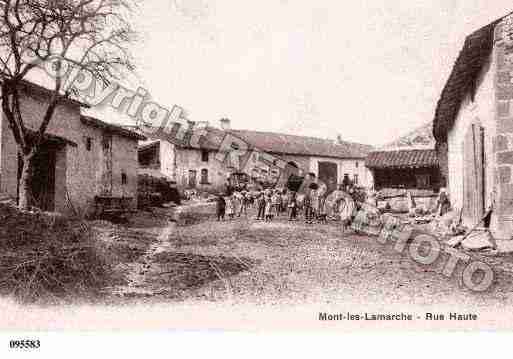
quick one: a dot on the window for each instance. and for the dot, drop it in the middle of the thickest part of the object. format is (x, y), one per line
(357, 164)
(106, 143)
(123, 178)
(204, 176)
(204, 156)
(355, 179)
(88, 143)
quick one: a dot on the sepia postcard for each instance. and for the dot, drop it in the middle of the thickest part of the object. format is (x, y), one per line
(255, 166)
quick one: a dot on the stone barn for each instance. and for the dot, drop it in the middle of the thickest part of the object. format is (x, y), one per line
(82, 158)
(473, 127)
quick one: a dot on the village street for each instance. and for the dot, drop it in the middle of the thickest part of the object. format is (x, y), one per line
(281, 262)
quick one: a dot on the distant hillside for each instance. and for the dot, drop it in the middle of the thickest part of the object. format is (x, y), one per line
(421, 137)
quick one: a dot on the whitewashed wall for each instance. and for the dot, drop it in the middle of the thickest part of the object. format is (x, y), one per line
(481, 109)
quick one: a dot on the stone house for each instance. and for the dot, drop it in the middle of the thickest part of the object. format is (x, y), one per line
(199, 166)
(473, 127)
(187, 166)
(81, 157)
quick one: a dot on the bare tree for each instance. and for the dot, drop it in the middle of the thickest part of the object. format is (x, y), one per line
(90, 34)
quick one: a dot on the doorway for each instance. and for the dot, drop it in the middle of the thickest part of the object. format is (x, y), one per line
(474, 185)
(42, 181)
(192, 179)
(328, 173)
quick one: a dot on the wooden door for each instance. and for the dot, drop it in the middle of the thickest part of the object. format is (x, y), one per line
(473, 174)
(42, 181)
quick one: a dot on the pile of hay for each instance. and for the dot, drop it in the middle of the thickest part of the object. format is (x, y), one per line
(45, 257)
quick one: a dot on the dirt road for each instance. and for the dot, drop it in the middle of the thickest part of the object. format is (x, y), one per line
(248, 261)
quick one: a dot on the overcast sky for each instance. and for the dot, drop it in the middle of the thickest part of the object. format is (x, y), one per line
(369, 70)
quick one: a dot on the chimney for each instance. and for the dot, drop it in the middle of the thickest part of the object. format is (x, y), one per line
(225, 124)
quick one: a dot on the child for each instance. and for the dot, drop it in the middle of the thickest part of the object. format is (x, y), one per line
(307, 205)
(322, 215)
(268, 208)
(220, 207)
(261, 206)
(292, 207)
(243, 204)
(347, 210)
(275, 199)
(230, 207)
(314, 204)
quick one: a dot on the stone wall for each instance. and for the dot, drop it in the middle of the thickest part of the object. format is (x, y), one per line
(503, 141)
(191, 160)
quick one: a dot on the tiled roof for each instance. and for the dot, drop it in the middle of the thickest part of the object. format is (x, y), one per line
(471, 59)
(402, 159)
(276, 143)
(32, 87)
(91, 121)
(211, 138)
(279, 143)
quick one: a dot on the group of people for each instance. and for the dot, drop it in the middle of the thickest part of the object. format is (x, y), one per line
(274, 203)
(234, 204)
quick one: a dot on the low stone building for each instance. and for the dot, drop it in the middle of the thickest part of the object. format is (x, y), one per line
(81, 157)
(409, 163)
(202, 166)
(405, 169)
(473, 127)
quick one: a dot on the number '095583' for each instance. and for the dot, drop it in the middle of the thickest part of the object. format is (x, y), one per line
(24, 344)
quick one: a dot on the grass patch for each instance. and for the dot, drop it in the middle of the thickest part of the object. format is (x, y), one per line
(46, 258)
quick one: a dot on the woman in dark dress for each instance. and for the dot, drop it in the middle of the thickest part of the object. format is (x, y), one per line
(220, 207)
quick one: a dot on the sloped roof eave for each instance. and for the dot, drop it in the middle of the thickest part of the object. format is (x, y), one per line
(471, 59)
(402, 159)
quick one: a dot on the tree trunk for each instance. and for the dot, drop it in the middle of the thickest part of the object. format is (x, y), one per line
(25, 193)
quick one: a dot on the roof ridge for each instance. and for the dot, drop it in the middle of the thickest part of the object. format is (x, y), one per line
(332, 141)
(112, 126)
(282, 134)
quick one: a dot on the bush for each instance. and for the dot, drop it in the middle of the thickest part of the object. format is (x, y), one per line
(45, 257)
